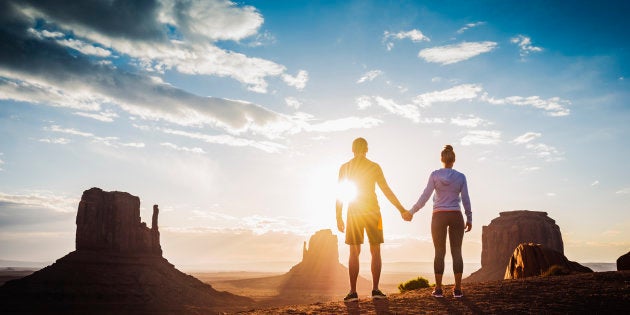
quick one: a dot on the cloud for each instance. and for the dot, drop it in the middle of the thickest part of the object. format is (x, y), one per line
(343, 124)
(485, 137)
(184, 149)
(108, 141)
(266, 146)
(408, 111)
(469, 26)
(471, 121)
(292, 102)
(42, 199)
(106, 116)
(526, 137)
(595, 183)
(530, 169)
(370, 75)
(299, 81)
(525, 45)
(1, 162)
(454, 94)
(450, 54)
(414, 35)
(555, 106)
(55, 140)
(550, 194)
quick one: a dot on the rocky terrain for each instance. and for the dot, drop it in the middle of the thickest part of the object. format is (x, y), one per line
(589, 293)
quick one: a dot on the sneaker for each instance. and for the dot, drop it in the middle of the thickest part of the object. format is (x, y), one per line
(377, 294)
(458, 293)
(351, 297)
(437, 293)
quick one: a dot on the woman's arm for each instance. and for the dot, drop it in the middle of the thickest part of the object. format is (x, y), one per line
(426, 194)
(466, 201)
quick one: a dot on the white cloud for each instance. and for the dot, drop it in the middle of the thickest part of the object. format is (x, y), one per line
(299, 81)
(70, 131)
(623, 191)
(184, 149)
(595, 183)
(485, 137)
(1, 161)
(550, 194)
(108, 141)
(530, 169)
(292, 102)
(526, 137)
(525, 45)
(471, 121)
(555, 106)
(85, 48)
(343, 124)
(407, 110)
(454, 94)
(43, 199)
(266, 146)
(469, 26)
(457, 52)
(546, 152)
(55, 140)
(133, 144)
(414, 35)
(370, 75)
(106, 116)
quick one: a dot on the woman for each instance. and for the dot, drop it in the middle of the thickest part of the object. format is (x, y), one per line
(450, 188)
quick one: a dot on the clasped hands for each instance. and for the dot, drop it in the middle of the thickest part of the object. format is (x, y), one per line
(406, 215)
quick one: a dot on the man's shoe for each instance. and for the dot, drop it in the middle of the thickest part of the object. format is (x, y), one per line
(377, 294)
(351, 297)
(458, 293)
(437, 293)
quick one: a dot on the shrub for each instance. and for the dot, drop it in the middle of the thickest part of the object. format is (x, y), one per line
(556, 270)
(413, 284)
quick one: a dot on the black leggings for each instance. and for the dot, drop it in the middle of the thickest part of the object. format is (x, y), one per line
(454, 221)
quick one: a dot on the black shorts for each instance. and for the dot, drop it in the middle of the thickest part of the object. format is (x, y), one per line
(371, 223)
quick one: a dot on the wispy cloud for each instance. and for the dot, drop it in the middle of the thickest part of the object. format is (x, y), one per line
(525, 45)
(554, 106)
(484, 137)
(42, 199)
(106, 116)
(469, 26)
(108, 141)
(526, 137)
(470, 121)
(266, 146)
(595, 183)
(454, 94)
(414, 35)
(292, 102)
(55, 140)
(1, 161)
(184, 149)
(370, 75)
(450, 54)
(623, 191)
(408, 111)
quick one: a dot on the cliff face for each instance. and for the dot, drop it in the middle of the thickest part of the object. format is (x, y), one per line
(505, 233)
(529, 260)
(117, 268)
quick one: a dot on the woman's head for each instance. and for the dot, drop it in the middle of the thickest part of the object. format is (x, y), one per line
(448, 155)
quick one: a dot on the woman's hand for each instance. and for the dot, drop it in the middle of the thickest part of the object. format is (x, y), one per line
(468, 227)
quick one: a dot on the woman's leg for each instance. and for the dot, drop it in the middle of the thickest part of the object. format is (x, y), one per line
(438, 233)
(456, 237)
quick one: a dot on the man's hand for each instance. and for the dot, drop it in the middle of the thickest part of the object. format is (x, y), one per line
(340, 226)
(406, 215)
(468, 226)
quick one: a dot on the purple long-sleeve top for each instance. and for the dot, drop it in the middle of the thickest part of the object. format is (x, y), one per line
(449, 185)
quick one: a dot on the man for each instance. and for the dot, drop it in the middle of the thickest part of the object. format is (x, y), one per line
(364, 214)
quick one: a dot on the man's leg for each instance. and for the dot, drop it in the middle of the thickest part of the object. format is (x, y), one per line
(375, 250)
(353, 266)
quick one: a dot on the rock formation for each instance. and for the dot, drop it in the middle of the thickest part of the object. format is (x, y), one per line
(505, 233)
(320, 272)
(117, 268)
(529, 260)
(623, 262)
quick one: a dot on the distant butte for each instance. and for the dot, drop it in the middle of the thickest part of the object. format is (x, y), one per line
(117, 268)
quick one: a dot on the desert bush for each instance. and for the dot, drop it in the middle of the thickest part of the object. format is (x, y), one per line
(413, 284)
(556, 270)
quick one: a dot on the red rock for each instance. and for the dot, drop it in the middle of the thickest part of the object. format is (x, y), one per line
(529, 260)
(505, 233)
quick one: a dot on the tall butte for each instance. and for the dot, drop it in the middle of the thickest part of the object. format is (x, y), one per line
(117, 268)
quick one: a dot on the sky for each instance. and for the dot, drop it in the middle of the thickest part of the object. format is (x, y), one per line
(234, 118)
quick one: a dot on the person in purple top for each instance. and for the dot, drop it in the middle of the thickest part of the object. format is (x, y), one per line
(450, 189)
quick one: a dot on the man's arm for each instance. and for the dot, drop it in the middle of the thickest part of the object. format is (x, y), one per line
(389, 194)
(339, 205)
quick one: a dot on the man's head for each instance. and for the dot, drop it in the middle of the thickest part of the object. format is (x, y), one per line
(359, 146)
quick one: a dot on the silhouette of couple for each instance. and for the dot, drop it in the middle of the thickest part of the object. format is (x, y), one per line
(364, 216)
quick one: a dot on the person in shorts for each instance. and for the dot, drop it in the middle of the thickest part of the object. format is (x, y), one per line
(364, 214)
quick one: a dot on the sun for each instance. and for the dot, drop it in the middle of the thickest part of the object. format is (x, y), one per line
(346, 191)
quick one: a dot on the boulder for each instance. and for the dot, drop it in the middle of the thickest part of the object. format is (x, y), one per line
(530, 260)
(505, 233)
(623, 262)
(117, 268)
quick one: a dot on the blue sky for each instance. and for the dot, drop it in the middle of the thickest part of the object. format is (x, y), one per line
(234, 118)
